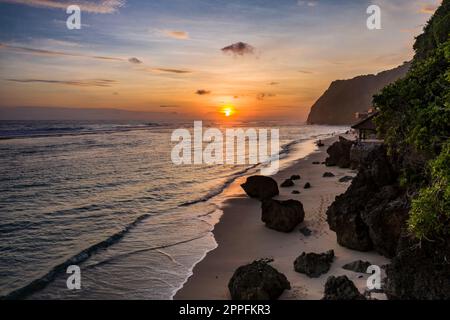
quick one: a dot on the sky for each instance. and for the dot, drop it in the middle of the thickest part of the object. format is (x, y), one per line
(262, 59)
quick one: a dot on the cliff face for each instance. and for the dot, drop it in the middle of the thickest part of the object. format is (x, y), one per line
(338, 105)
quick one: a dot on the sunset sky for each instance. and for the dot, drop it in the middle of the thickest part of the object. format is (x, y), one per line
(168, 55)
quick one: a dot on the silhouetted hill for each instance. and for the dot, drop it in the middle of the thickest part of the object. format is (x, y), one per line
(338, 105)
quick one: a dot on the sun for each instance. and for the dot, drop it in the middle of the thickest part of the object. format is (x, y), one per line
(228, 110)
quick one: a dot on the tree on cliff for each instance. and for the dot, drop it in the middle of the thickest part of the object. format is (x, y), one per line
(415, 121)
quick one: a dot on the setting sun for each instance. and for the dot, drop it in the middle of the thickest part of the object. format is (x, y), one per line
(228, 111)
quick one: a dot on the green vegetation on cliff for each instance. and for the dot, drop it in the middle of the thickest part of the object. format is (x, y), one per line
(415, 122)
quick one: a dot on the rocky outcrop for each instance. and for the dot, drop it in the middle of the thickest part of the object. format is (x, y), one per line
(339, 153)
(260, 187)
(372, 212)
(357, 266)
(340, 102)
(419, 271)
(257, 281)
(314, 264)
(282, 216)
(341, 288)
(328, 175)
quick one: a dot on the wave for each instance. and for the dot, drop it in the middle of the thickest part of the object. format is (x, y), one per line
(42, 282)
(60, 131)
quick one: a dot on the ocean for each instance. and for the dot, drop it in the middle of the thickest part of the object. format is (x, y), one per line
(106, 196)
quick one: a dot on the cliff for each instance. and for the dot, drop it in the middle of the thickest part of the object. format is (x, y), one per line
(340, 102)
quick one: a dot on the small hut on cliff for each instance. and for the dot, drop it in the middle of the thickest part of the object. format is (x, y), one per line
(366, 127)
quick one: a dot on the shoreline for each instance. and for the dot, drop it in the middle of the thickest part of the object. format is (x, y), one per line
(241, 237)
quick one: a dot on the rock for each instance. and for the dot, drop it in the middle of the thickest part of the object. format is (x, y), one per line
(316, 162)
(282, 216)
(339, 153)
(346, 179)
(341, 288)
(419, 271)
(260, 187)
(257, 281)
(295, 192)
(357, 266)
(295, 177)
(287, 183)
(328, 175)
(305, 231)
(319, 143)
(314, 264)
(307, 185)
(372, 212)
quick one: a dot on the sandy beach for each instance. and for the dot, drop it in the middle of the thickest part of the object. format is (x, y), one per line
(242, 237)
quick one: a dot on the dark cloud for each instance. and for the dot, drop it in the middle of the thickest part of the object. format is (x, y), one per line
(78, 83)
(305, 71)
(273, 83)
(239, 48)
(55, 53)
(171, 70)
(263, 95)
(168, 106)
(134, 60)
(202, 92)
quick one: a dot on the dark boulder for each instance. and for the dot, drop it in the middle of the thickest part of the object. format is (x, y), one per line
(314, 264)
(319, 143)
(328, 175)
(341, 288)
(257, 281)
(316, 162)
(287, 183)
(295, 177)
(357, 266)
(419, 271)
(307, 185)
(339, 153)
(295, 192)
(282, 216)
(346, 179)
(260, 187)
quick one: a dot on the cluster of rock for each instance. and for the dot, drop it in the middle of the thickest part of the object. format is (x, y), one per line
(372, 214)
(278, 215)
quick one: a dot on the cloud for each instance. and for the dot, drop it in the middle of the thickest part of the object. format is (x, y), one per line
(96, 6)
(134, 60)
(202, 92)
(305, 71)
(166, 106)
(53, 53)
(169, 70)
(307, 3)
(263, 95)
(273, 83)
(239, 48)
(428, 8)
(176, 34)
(78, 83)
